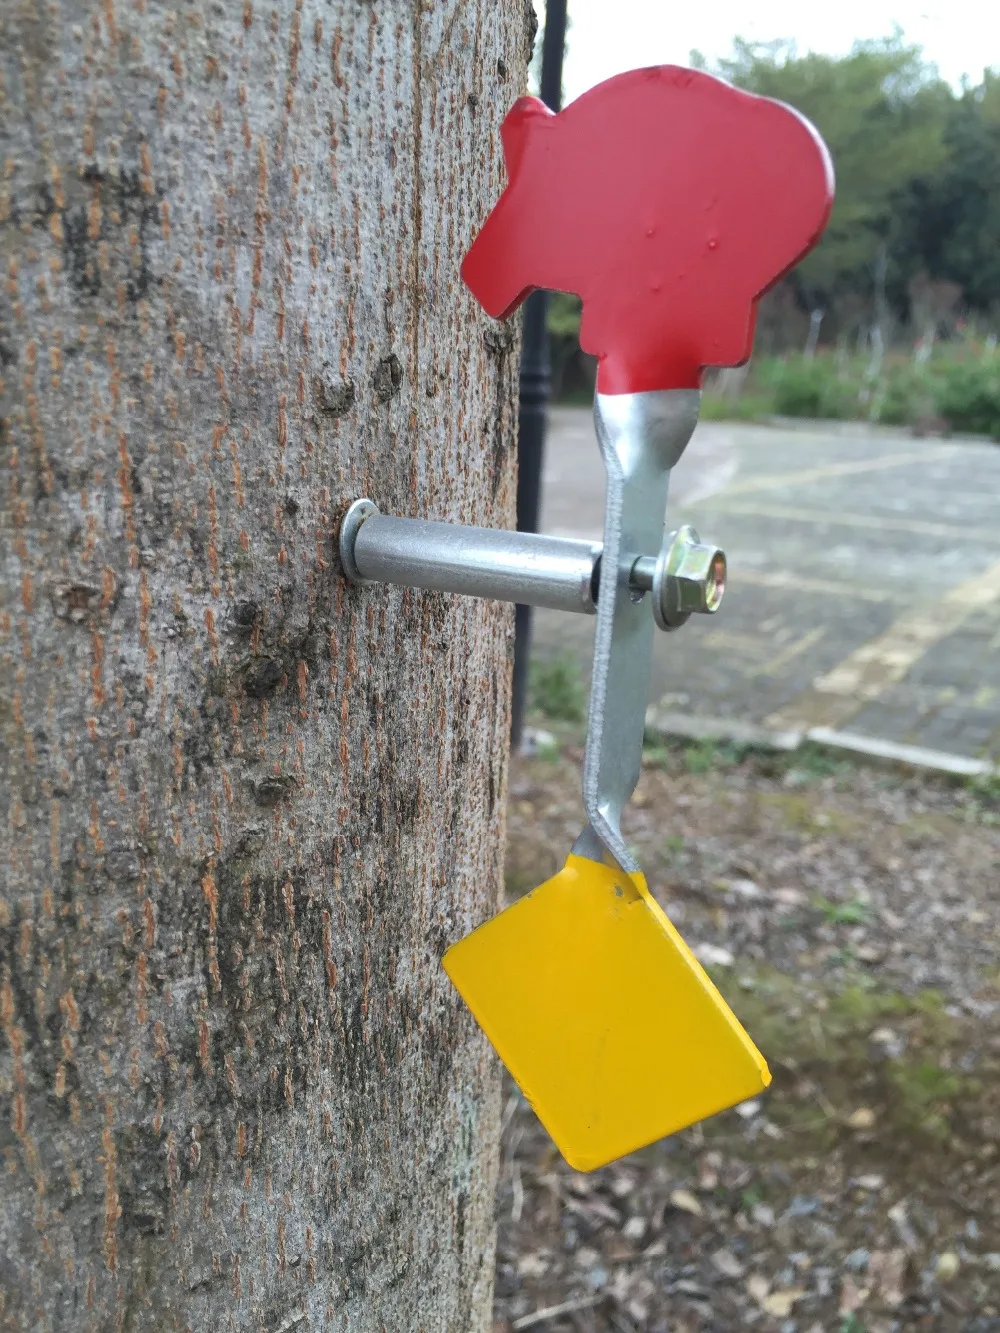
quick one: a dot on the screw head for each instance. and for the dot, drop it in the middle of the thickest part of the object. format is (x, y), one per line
(690, 578)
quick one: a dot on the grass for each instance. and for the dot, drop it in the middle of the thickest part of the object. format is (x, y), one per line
(809, 763)
(556, 690)
(983, 806)
(817, 1037)
(852, 1324)
(703, 756)
(986, 790)
(927, 1092)
(548, 750)
(680, 754)
(852, 913)
(806, 811)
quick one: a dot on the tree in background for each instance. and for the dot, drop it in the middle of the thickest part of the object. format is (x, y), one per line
(950, 218)
(882, 111)
(246, 806)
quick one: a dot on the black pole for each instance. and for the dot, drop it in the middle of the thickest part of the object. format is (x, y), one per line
(534, 385)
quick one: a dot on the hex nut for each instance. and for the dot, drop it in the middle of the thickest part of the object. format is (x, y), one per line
(690, 578)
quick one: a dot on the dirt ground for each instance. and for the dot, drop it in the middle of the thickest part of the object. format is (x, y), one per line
(849, 915)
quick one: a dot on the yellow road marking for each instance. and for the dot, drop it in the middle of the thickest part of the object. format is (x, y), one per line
(766, 578)
(795, 649)
(805, 475)
(743, 643)
(867, 672)
(869, 522)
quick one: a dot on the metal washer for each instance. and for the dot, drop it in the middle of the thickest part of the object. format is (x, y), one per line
(358, 514)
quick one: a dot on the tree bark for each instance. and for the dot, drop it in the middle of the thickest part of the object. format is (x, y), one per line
(246, 806)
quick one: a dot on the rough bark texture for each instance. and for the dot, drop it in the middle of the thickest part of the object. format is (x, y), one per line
(246, 807)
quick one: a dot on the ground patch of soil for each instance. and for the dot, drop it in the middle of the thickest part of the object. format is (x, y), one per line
(849, 915)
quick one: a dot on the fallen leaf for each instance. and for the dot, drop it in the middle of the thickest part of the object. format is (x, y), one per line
(618, 1250)
(852, 1297)
(622, 1184)
(871, 1182)
(688, 1288)
(748, 1109)
(620, 1287)
(897, 1216)
(758, 1287)
(883, 1037)
(585, 1257)
(947, 1266)
(727, 1263)
(685, 1201)
(780, 1303)
(789, 897)
(886, 1270)
(744, 888)
(595, 1207)
(532, 1265)
(870, 953)
(713, 955)
(708, 1170)
(862, 1118)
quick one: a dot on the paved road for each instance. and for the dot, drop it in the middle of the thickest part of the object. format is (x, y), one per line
(864, 586)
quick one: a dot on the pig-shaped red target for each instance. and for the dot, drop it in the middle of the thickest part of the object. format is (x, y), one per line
(669, 201)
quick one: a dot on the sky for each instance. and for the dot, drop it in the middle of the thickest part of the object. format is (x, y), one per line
(609, 36)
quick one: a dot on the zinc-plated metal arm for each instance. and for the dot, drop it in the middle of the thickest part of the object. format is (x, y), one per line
(641, 436)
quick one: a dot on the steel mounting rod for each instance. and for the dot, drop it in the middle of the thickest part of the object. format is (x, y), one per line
(560, 573)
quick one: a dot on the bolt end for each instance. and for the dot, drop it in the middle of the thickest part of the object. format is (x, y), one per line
(715, 586)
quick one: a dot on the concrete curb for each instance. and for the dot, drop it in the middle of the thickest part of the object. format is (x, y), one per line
(685, 726)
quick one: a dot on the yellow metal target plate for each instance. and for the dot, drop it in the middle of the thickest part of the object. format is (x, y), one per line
(602, 1014)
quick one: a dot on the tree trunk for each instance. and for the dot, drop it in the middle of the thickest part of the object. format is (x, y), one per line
(246, 806)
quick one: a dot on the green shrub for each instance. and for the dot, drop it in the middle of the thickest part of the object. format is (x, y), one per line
(751, 406)
(572, 370)
(967, 394)
(904, 395)
(813, 388)
(959, 385)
